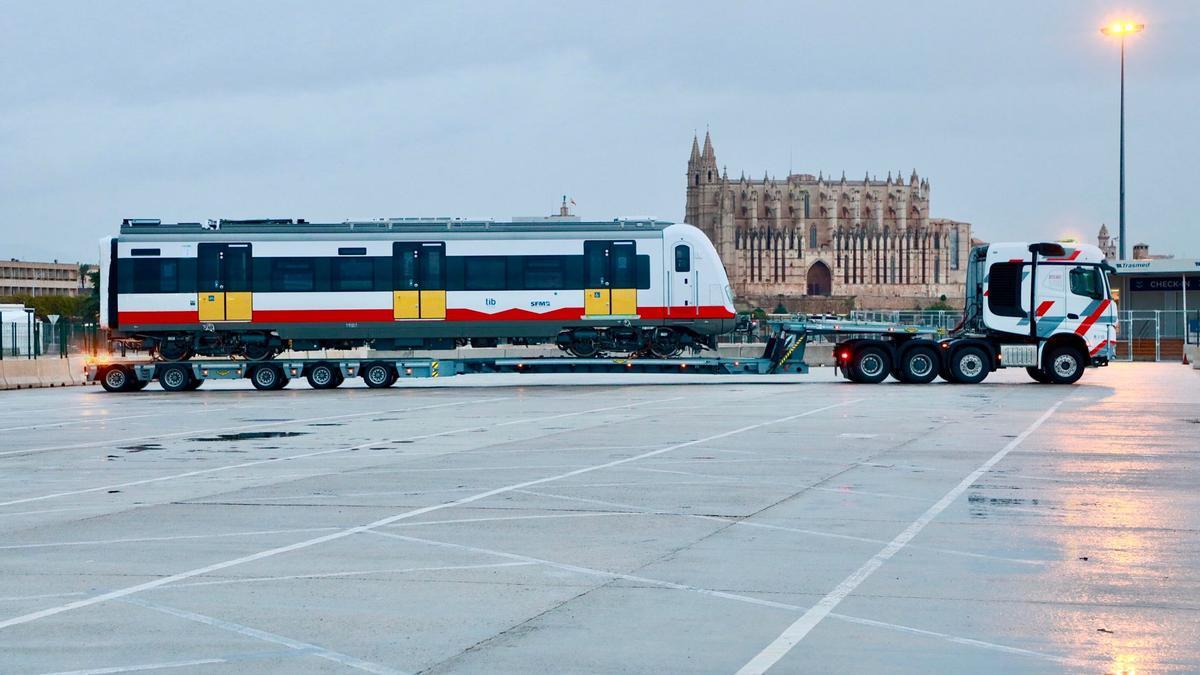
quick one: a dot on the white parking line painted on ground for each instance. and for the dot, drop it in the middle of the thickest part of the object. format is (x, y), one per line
(334, 575)
(178, 537)
(333, 536)
(163, 665)
(227, 429)
(793, 634)
(361, 446)
(726, 595)
(315, 650)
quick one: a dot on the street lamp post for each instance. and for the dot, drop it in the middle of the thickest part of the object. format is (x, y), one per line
(1121, 30)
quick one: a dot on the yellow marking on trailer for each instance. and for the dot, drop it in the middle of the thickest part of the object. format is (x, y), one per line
(433, 369)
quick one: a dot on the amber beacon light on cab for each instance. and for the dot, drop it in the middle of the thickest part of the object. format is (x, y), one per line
(253, 288)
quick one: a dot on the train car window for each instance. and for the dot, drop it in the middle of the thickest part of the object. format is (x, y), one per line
(1004, 289)
(643, 272)
(433, 266)
(151, 276)
(485, 273)
(624, 266)
(145, 251)
(404, 267)
(237, 267)
(352, 250)
(683, 258)
(544, 273)
(292, 275)
(353, 274)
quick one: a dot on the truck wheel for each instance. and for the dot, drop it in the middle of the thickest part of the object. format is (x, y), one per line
(175, 378)
(918, 366)
(871, 365)
(1064, 366)
(195, 384)
(323, 376)
(379, 376)
(268, 378)
(969, 366)
(117, 378)
(1037, 375)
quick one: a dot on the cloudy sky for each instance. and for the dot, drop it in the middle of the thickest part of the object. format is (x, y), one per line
(330, 111)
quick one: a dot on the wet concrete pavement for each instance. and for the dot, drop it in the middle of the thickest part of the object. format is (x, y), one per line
(606, 524)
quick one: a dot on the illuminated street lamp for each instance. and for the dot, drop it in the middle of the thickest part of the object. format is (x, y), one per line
(1121, 30)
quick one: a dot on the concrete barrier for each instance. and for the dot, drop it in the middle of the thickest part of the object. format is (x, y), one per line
(45, 372)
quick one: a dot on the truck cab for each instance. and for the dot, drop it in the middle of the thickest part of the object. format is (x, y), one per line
(1046, 307)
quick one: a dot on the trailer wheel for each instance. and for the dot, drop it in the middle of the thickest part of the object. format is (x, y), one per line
(175, 378)
(1037, 375)
(268, 378)
(1064, 366)
(379, 375)
(919, 365)
(117, 378)
(323, 376)
(194, 384)
(871, 365)
(968, 366)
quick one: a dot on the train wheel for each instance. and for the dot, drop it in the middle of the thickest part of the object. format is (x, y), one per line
(268, 378)
(918, 366)
(117, 378)
(379, 376)
(174, 350)
(871, 365)
(584, 348)
(323, 376)
(665, 346)
(175, 378)
(258, 352)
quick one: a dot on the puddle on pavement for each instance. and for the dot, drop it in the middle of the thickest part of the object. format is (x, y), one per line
(328, 424)
(249, 436)
(141, 447)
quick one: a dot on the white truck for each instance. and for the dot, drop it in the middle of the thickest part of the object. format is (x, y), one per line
(1046, 307)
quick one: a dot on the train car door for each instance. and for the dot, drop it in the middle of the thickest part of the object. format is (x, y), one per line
(597, 278)
(684, 296)
(419, 280)
(610, 278)
(224, 291)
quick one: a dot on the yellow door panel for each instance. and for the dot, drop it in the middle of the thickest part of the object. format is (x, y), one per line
(624, 301)
(596, 302)
(211, 306)
(433, 304)
(406, 304)
(238, 306)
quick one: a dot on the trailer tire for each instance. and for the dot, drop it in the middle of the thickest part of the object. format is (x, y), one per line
(138, 385)
(323, 376)
(268, 378)
(378, 375)
(871, 365)
(117, 378)
(175, 378)
(1064, 366)
(968, 365)
(918, 365)
(1037, 375)
(195, 384)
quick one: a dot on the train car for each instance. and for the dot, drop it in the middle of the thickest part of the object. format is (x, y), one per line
(254, 288)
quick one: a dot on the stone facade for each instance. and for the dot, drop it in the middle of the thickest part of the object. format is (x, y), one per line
(815, 244)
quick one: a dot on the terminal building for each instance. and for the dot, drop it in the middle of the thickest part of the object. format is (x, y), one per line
(22, 277)
(1159, 300)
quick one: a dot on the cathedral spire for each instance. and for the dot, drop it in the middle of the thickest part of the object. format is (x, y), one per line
(695, 159)
(709, 156)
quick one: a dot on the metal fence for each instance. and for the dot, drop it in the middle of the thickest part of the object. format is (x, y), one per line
(32, 338)
(1156, 335)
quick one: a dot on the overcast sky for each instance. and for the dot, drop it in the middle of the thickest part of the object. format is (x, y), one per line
(359, 110)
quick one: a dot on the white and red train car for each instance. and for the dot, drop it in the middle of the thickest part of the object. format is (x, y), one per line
(254, 288)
